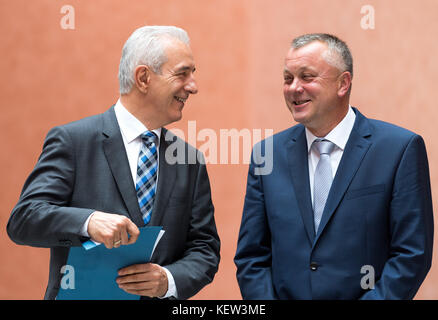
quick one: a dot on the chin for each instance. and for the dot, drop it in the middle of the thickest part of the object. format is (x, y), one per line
(177, 116)
(174, 117)
(299, 117)
(302, 116)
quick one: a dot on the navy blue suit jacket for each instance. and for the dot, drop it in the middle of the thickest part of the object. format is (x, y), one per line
(378, 213)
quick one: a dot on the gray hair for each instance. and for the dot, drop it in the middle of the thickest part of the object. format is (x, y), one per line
(146, 45)
(337, 49)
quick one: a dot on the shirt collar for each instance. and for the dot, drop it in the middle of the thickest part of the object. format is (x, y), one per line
(130, 126)
(339, 135)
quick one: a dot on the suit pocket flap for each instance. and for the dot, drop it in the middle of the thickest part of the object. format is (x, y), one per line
(365, 191)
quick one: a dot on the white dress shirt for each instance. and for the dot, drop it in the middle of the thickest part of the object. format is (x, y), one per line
(339, 136)
(131, 129)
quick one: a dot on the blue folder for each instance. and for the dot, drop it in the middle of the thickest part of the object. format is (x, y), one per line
(92, 273)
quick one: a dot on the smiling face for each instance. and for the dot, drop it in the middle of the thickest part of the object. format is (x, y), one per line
(313, 89)
(168, 91)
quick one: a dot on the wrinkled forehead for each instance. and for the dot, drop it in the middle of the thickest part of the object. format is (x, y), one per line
(312, 56)
(310, 51)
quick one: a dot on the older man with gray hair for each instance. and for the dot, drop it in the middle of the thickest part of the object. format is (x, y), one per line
(102, 177)
(346, 212)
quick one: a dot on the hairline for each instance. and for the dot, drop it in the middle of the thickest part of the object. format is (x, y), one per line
(335, 47)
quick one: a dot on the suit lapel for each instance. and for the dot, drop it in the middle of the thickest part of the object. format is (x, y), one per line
(165, 183)
(299, 170)
(354, 152)
(115, 153)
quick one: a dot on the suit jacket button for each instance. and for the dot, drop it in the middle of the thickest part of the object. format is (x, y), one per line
(313, 266)
(66, 243)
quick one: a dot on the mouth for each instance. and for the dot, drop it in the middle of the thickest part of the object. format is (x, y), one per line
(179, 99)
(300, 102)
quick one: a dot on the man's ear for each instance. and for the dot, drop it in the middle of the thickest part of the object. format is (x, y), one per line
(344, 83)
(142, 77)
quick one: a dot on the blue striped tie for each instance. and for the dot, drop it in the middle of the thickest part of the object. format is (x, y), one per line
(147, 174)
(323, 179)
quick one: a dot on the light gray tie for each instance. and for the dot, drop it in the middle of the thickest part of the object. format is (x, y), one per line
(323, 179)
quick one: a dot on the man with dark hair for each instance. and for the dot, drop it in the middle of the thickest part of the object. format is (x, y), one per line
(346, 212)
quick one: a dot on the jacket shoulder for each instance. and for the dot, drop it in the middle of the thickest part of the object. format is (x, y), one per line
(382, 128)
(84, 125)
(82, 129)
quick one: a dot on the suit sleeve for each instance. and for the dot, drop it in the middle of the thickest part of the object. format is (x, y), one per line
(411, 227)
(200, 260)
(42, 216)
(253, 255)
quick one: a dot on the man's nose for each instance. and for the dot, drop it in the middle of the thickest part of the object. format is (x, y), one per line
(191, 85)
(295, 86)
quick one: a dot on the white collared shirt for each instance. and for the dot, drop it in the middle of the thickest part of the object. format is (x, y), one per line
(131, 129)
(339, 136)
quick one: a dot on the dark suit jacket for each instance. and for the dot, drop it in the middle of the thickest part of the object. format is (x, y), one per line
(378, 213)
(83, 167)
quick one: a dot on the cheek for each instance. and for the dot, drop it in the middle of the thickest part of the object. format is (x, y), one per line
(311, 89)
(286, 92)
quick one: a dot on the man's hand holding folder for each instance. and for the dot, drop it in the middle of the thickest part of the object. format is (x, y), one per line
(97, 272)
(146, 279)
(112, 230)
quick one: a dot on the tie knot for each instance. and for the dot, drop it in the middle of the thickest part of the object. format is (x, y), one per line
(324, 146)
(149, 137)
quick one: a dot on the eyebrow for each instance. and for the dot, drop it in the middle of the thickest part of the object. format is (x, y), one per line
(185, 68)
(301, 69)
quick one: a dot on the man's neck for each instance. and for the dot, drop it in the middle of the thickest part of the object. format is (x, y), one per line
(326, 127)
(134, 105)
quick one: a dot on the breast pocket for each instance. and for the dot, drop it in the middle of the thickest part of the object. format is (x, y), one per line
(361, 192)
